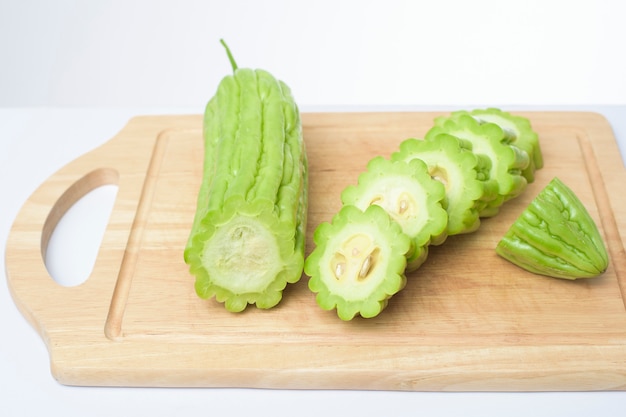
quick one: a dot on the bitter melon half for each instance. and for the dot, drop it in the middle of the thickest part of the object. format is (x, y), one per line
(247, 238)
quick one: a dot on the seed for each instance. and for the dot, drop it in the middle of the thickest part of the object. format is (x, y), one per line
(355, 251)
(339, 269)
(440, 175)
(365, 268)
(403, 206)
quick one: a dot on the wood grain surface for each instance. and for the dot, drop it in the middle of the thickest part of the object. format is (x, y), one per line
(466, 321)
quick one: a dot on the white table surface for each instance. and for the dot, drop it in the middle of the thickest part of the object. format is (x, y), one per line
(35, 142)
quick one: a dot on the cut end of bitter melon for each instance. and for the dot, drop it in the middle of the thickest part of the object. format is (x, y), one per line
(358, 263)
(244, 255)
(555, 236)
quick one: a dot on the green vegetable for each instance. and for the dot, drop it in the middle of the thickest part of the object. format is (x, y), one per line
(555, 236)
(519, 132)
(488, 139)
(247, 239)
(410, 196)
(465, 177)
(358, 262)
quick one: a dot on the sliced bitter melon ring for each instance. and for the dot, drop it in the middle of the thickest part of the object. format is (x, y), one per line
(463, 174)
(555, 236)
(411, 197)
(358, 262)
(519, 132)
(488, 139)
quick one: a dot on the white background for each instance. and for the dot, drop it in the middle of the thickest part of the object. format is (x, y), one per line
(72, 72)
(331, 52)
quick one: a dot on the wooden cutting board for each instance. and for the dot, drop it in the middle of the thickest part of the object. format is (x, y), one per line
(466, 321)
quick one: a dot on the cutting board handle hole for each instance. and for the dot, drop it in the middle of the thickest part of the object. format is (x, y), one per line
(74, 229)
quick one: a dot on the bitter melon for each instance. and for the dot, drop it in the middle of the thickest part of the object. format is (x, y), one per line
(248, 235)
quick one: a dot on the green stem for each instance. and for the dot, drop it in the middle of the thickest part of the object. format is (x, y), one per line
(230, 55)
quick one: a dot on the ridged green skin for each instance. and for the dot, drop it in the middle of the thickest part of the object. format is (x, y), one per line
(410, 196)
(519, 131)
(343, 247)
(488, 139)
(248, 235)
(555, 236)
(464, 174)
